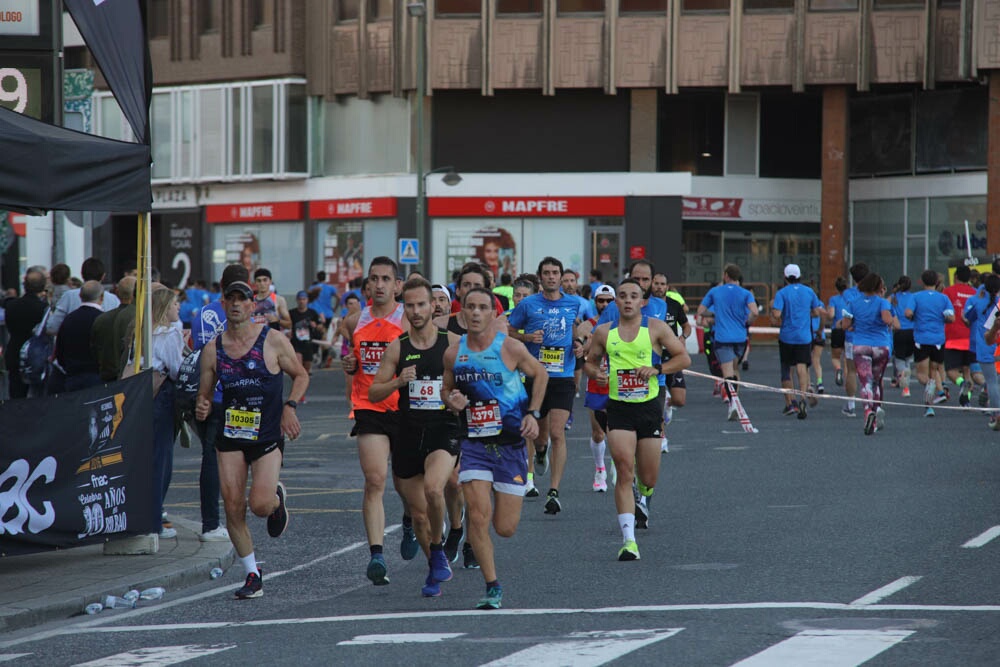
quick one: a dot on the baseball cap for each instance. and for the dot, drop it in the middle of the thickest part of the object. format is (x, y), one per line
(302, 294)
(235, 272)
(793, 271)
(442, 289)
(239, 287)
(605, 290)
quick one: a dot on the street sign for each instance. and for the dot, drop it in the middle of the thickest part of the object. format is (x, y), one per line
(409, 251)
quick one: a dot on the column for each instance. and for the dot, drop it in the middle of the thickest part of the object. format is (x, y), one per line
(993, 167)
(833, 232)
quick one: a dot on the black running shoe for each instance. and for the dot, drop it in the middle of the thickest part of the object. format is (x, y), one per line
(542, 461)
(802, 410)
(870, 423)
(641, 517)
(839, 378)
(552, 504)
(253, 588)
(451, 544)
(277, 522)
(470, 562)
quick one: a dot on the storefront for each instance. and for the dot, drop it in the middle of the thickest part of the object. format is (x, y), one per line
(348, 233)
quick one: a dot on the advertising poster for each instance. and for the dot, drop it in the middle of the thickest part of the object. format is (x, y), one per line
(496, 246)
(243, 247)
(343, 246)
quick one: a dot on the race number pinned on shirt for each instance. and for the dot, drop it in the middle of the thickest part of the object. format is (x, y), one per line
(553, 358)
(484, 419)
(371, 355)
(631, 386)
(425, 395)
(302, 333)
(242, 424)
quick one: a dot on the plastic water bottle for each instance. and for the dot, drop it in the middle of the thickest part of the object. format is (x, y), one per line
(215, 573)
(94, 608)
(132, 595)
(115, 602)
(154, 593)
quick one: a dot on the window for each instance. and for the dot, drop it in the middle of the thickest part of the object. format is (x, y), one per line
(519, 6)
(453, 7)
(764, 5)
(261, 13)
(579, 6)
(691, 132)
(348, 10)
(296, 135)
(157, 19)
(877, 233)
(892, 4)
(881, 135)
(636, 6)
(705, 5)
(212, 127)
(262, 141)
(951, 129)
(833, 5)
(208, 16)
(161, 135)
(791, 135)
(379, 9)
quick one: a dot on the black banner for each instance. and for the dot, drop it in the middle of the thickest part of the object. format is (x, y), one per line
(76, 469)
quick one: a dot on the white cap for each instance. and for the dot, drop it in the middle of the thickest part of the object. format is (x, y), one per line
(793, 271)
(605, 290)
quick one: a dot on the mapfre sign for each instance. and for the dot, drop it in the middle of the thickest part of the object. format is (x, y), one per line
(509, 207)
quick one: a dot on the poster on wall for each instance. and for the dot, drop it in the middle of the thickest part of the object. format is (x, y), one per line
(495, 246)
(343, 246)
(243, 247)
(179, 249)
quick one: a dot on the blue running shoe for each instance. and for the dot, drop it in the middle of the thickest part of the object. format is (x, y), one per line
(440, 569)
(377, 571)
(432, 588)
(569, 422)
(408, 545)
(494, 594)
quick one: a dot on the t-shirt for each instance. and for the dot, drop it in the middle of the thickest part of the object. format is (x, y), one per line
(795, 303)
(817, 326)
(556, 318)
(956, 333)
(929, 310)
(302, 332)
(850, 294)
(866, 315)
(903, 301)
(730, 304)
(980, 308)
(838, 303)
(322, 304)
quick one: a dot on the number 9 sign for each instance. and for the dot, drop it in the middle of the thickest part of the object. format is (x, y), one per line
(18, 94)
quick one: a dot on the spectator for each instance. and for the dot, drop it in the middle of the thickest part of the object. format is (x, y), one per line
(92, 269)
(109, 330)
(75, 364)
(59, 279)
(23, 315)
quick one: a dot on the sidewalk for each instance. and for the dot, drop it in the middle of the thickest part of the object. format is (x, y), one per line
(49, 586)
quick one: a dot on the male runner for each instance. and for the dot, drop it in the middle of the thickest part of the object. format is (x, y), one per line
(306, 325)
(249, 361)
(676, 319)
(483, 384)
(548, 320)
(425, 449)
(959, 359)
(442, 300)
(794, 307)
(931, 310)
(370, 332)
(596, 399)
(634, 410)
(269, 307)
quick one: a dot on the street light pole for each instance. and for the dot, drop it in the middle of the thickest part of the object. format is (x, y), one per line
(419, 11)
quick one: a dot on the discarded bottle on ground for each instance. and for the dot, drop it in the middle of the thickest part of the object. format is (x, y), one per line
(215, 573)
(94, 608)
(132, 595)
(154, 593)
(115, 602)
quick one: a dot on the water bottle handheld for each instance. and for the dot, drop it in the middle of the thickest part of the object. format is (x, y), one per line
(154, 593)
(94, 608)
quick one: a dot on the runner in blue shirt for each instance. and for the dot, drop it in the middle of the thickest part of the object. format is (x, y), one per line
(871, 318)
(794, 307)
(977, 311)
(834, 312)
(902, 338)
(931, 309)
(858, 273)
(730, 306)
(326, 303)
(548, 320)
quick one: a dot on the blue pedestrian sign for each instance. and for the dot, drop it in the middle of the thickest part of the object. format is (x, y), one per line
(409, 251)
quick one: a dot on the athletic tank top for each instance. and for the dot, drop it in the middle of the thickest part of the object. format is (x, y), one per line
(371, 337)
(420, 400)
(592, 386)
(624, 384)
(454, 326)
(251, 395)
(497, 399)
(263, 308)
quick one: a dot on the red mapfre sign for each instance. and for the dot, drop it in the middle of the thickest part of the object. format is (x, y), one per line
(637, 252)
(266, 212)
(531, 207)
(378, 207)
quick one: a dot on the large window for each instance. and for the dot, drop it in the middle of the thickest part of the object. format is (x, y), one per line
(636, 6)
(833, 5)
(705, 5)
(791, 135)
(579, 6)
(881, 135)
(877, 231)
(273, 245)
(519, 7)
(457, 7)
(691, 133)
(208, 16)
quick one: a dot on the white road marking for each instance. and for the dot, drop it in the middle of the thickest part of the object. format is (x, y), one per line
(156, 655)
(401, 638)
(881, 593)
(984, 539)
(731, 449)
(827, 648)
(7, 657)
(584, 649)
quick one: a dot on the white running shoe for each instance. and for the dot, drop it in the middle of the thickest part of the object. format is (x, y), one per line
(600, 480)
(879, 418)
(664, 448)
(220, 534)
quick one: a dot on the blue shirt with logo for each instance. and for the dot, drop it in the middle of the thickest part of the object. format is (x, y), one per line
(904, 302)
(730, 304)
(929, 310)
(977, 310)
(866, 315)
(556, 319)
(795, 302)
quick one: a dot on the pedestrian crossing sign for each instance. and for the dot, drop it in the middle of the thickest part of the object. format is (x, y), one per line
(409, 251)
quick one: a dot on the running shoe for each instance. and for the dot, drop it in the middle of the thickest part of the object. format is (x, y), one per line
(168, 533)
(929, 412)
(879, 418)
(790, 409)
(839, 377)
(494, 595)
(542, 461)
(277, 521)
(469, 557)
(569, 422)
(530, 490)
(629, 551)
(941, 397)
(253, 587)
(664, 445)
(848, 412)
(552, 504)
(377, 571)
(746, 365)
(668, 415)
(451, 544)
(440, 570)
(813, 401)
(717, 389)
(984, 398)
(408, 545)
(431, 587)
(642, 513)
(820, 389)
(906, 392)
(600, 480)
(994, 424)
(869, 422)
(964, 397)
(802, 410)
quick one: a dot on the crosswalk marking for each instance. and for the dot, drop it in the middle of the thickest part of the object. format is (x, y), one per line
(401, 638)
(6, 657)
(585, 649)
(827, 648)
(154, 656)
(880, 594)
(983, 539)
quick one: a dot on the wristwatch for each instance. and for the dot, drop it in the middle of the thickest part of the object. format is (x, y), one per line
(292, 404)
(537, 414)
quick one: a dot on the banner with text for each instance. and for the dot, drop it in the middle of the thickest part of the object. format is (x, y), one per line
(76, 469)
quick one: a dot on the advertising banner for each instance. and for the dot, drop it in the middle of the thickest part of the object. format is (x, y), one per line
(76, 469)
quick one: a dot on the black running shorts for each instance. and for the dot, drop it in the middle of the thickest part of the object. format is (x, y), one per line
(368, 422)
(413, 444)
(644, 418)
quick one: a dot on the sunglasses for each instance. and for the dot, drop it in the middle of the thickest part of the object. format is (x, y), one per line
(604, 301)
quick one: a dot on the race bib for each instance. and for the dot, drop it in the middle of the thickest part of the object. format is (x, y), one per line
(371, 356)
(631, 386)
(302, 334)
(553, 358)
(426, 395)
(242, 424)
(484, 419)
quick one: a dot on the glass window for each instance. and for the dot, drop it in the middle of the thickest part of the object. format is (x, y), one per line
(791, 135)
(877, 233)
(705, 6)
(112, 119)
(579, 6)
(890, 4)
(348, 10)
(635, 6)
(946, 230)
(519, 6)
(741, 134)
(379, 9)
(185, 160)
(236, 132)
(261, 13)
(881, 135)
(446, 7)
(757, 5)
(262, 142)
(296, 129)
(161, 135)
(208, 16)
(701, 259)
(275, 245)
(827, 5)
(157, 19)
(211, 126)
(951, 129)
(691, 132)
(340, 252)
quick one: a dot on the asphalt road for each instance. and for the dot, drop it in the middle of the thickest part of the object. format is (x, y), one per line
(807, 541)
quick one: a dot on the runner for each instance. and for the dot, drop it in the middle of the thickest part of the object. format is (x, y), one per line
(858, 272)
(548, 321)
(634, 410)
(269, 307)
(931, 310)
(525, 285)
(483, 384)
(305, 327)
(596, 399)
(425, 449)
(370, 332)
(676, 397)
(959, 360)
(834, 313)
(902, 338)
(794, 307)
(871, 318)
(249, 361)
(980, 315)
